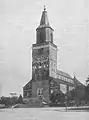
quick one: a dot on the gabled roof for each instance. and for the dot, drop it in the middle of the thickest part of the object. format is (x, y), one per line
(63, 74)
(27, 84)
(77, 82)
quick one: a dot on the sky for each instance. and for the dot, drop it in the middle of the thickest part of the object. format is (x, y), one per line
(18, 22)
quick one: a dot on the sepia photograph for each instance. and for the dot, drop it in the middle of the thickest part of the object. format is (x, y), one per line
(44, 59)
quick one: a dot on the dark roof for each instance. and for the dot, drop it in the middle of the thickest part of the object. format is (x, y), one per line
(63, 74)
(44, 19)
(44, 22)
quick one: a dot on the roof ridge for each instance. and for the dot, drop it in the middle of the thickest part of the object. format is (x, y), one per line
(64, 73)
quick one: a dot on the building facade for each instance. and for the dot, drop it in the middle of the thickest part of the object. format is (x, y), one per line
(45, 77)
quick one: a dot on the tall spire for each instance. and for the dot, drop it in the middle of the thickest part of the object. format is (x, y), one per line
(44, 31)
(44, 19)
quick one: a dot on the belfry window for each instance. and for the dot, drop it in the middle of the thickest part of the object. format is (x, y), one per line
(41, 37)
(40, 51)
(51, 37)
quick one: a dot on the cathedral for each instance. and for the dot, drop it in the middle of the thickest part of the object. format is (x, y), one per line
(46, 78)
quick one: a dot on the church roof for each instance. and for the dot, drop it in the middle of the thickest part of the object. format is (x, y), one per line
(63, 74)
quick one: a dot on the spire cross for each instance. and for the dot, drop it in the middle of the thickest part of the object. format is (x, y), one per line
(44, 8)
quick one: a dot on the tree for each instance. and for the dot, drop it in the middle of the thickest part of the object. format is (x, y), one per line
(77, 94)
(57, 97)
(87, 93)
(87, 89)
(8, 101)
(20, 99)
(87, 80)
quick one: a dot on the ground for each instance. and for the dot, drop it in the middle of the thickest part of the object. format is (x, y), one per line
(42, 114)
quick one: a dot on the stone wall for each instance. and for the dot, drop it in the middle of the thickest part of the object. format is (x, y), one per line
(40, 88)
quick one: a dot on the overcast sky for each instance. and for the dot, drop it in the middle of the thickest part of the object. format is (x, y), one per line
(18, 22)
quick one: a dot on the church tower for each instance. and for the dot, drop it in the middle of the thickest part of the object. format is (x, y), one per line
(44, 52)
(46, 79)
